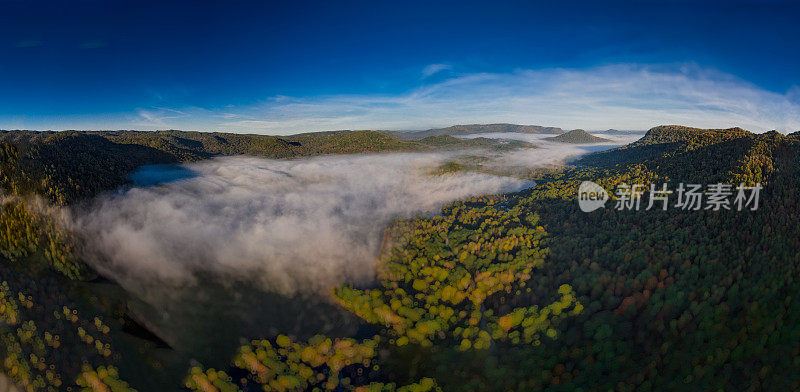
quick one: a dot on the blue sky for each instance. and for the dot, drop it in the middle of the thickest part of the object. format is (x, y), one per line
(286, 67)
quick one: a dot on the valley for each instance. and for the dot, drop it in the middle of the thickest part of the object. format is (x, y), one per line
(162, 262)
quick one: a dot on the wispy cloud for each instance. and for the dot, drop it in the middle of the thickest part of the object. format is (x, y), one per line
(158, 117)
(622, 96)
(616, 96)
(28, 43)
(94, 44)
(434, 69)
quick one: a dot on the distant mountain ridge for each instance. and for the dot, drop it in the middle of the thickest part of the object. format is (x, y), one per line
(78, 164)
(471, 129)
(577, 136)
(617, 132)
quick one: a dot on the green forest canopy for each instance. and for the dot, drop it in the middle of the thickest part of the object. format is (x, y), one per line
(508, 292)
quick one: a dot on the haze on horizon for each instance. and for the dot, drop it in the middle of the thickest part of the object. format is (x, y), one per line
(183, 65)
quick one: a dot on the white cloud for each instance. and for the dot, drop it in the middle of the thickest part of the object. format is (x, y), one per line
(616, 96)
(158, 117)
(432, 69)
(622, 96)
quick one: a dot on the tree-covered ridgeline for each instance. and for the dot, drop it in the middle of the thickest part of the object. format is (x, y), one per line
(65, 167)
(678, 300)
(510, 292)
(69, 166)
(319, 364)
(456, 277)
(672, 300)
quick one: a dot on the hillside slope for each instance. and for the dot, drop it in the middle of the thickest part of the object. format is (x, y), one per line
(576, 136)
(664, 141)
(657, 289)
(70, 165)
(521, 291)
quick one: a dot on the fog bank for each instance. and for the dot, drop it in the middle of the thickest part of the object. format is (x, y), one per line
(290, 225)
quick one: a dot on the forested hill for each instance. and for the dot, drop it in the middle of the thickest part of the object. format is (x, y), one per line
(69, 165)
(688, 135)
(190, 146)
(577, 136)
(663, 143)
(520, 292)
(471, 129)
(676, 299)
(617, 132)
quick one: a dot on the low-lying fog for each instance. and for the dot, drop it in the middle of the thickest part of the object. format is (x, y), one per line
(557, 152)
(548, 153)
(254, 242)
(293, 225)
